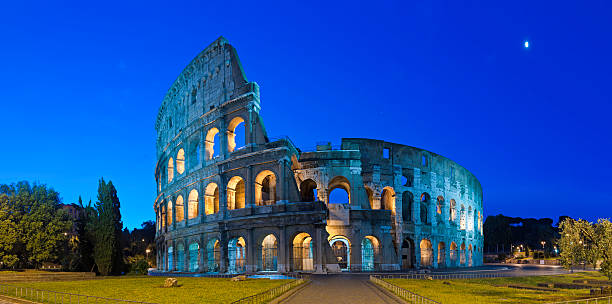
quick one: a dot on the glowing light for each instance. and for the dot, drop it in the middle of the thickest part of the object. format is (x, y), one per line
(526, 44)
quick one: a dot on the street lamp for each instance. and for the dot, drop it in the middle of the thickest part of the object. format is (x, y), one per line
(543, 242)
(148, 250)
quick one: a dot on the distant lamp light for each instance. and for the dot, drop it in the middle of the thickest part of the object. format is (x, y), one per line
(526, 44)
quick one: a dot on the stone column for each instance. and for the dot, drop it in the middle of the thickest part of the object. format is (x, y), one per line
(319, 251)
(223, 263)
(223, 196)
(203, 258)
(250, 188)
(281, 185)
(283, 256)
(251, 252)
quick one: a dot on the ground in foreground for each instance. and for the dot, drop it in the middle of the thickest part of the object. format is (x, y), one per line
(496, 290)
(149, 289)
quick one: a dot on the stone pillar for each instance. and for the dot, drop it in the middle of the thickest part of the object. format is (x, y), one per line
(319, 252)
(355, 253)
(202, 259)
(223, 138)
(281, 184)
(283, 255)
(251, 251)
(434, 252)
(250, 188)
(223, 196)
(223, 263)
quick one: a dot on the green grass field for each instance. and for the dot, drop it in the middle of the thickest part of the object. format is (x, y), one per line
(494, 290)
(149, 289)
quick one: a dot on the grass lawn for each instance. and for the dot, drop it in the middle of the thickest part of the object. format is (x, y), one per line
(149, 289)
(493, 290)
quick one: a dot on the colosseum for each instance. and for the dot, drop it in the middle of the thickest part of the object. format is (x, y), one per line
(231, 199)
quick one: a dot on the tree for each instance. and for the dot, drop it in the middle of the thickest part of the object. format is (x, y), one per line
(107, 230)
(9, 235)
(582, 241)
(603, 235)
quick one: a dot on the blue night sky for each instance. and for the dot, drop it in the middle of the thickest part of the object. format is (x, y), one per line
(81, 84)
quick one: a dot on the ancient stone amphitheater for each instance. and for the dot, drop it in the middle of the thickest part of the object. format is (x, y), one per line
(231, 199)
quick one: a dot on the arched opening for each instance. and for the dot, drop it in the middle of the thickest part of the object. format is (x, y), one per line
(211, 199)
(180, 257)
(339, 197)
(211, 144)
(370, 250)
(407, 201)
(441, 255)
(462, 218)
(462, 255)
(388, 199)
(341, 249)
(170, 170)
(408, 255)
(439, 205)
(453, 210)
(425, 198)
(163, 216)
(236, 251)
(265, 188)
(180, 161)
(470, 219)
(180, 209)
(213, 255)
(192, 205)
(236, 138)
(235, 193)
(170, 258)
(194, 250)
(470, 255)
(426, 253)
(370, 195)
(303, 252)
(308, 190)
(453, 254)
(169, 220)
(269, 253)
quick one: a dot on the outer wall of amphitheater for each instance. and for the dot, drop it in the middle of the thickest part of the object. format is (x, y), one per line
(231, 199)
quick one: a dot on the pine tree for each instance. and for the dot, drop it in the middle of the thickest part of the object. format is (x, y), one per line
(108, 225)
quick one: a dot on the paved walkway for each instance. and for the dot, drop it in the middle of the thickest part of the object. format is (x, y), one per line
(340, 289)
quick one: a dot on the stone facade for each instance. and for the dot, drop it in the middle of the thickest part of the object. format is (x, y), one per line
(231, 205)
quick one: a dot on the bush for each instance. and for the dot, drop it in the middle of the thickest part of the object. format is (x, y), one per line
(140, 266)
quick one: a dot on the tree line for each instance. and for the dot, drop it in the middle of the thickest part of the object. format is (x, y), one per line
(37, 229)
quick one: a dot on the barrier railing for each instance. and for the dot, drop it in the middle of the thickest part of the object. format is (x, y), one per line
(604, 300)
(401, 292)
(47, 296)
(270, 294)
(450, 276)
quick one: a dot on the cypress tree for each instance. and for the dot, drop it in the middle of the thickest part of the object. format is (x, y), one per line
(107, 250)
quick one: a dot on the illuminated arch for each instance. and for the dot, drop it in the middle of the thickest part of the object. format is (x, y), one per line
(170, 170)
(265, 188)
(236, 248)
(439, 204)
(441, 254)
(303, 252)
(370, 249)
(193, 204)
(269, 253)
(453, 254)
(169, 220)
(180, 209)
(180, 161)
(213, 255)
(341, 248)
(370, 195)
(426, 253)
(339, 182)
(211, 199)
(388, 199)
(235, 193)
(209, 143)
(194, 250)
(231, 132)
(453, 210)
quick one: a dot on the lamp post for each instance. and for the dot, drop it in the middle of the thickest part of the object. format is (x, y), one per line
(147, 251)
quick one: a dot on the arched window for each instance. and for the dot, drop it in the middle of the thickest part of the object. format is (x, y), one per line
(193, 203)
(212, 144)
(170, 169)
(425, 198)
(180, 257)
(462, 218)
(163, 216)
(388, 199)
(470, 219)
(453, 210)
(407, 201)
(269, 253)
(462, 255)
(193, 256)
(453, 254)
(308, 190)
(236, 134)
(235, 193)
(265, 188)
(237, 255)
(441, 254)
(213, 255)
(408, 254)
(180, 209)
(369, 253)
(339, 196)
(439, 205)
(341, 249)
(426, 253)
(180, 161)
(470, 255)
(370, 195)
(303, 252)
(169, 213)
(211, 199)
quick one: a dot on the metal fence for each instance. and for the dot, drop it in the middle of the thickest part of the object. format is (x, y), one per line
(604, 300)
(270, 294)
(47, 296)
(401, 292)
(450, 276)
